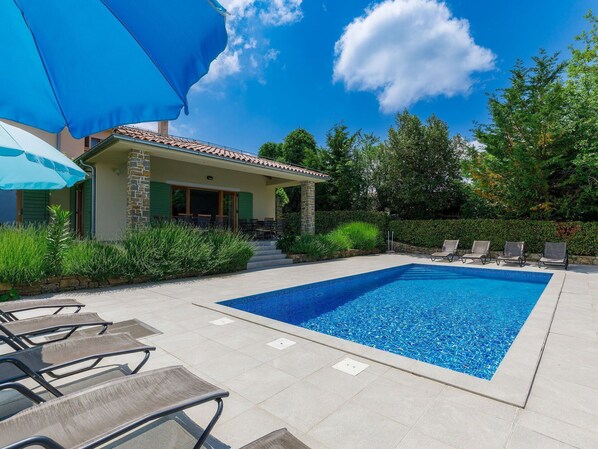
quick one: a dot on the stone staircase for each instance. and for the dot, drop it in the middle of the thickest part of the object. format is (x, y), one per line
(266, 255)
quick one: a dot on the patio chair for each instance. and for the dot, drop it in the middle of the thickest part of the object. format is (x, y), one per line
(448, 252)
(221, 222)
(480, 250)
(34, 362)
(97, 415)
(8, 309)
(202, 221)
(554, 254)
(514, 252)
(18, 334)
(279, 439)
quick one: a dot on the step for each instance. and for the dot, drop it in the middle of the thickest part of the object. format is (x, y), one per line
(264, 243)
(260, 258)
(269, 263)
(266, 252)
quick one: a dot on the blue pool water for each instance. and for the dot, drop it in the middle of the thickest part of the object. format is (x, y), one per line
(464, 319)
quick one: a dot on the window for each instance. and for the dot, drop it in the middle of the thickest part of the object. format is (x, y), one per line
(91, 142)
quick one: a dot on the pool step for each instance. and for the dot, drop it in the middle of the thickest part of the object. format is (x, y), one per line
(266, 255)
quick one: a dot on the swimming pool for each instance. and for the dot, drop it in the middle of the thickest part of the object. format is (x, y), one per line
(463, 319)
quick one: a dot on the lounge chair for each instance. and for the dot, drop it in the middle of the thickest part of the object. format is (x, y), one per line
(97, 415)
(448, 252)
(514, 252)
(279, 439)
(36, 362)
(8, 309)
(554, 254)
(18, 334)
(480, 250)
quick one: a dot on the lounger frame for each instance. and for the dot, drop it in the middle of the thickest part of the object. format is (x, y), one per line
(452, 254)
(37, 375)
(564, 262)
(521, 259)
(23, 341)
(48, 443)
(6, 317)
(482, 257)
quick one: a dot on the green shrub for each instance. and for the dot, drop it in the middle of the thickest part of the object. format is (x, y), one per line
(340, 239)
(230, 251)
(170, 249)
(59, 238)
(314, 246)
(360, 235)
(94, 260)
(582, 238)
(22, 254)
(327, 221)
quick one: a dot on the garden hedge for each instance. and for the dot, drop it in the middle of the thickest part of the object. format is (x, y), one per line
(582, 238)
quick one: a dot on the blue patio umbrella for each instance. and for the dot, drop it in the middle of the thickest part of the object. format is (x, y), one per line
(92, 65)
(28, 162)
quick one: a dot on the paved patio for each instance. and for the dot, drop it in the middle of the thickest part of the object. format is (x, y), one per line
(382, 407)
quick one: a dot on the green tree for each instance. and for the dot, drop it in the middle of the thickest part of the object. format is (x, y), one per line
(299, 146)
(271, 150)
(418, 171)
(526, 167)
(581, 90)
(340, 163)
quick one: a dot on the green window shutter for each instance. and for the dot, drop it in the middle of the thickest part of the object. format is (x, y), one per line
(160, 200)
(87, 208)
(245, 205)
(35, 206)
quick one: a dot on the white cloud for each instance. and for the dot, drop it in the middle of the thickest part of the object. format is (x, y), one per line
(408, 50)
(249, 55)
(282, 12)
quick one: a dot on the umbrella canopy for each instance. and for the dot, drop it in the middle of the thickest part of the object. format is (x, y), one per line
(28, 162)
(95, 64)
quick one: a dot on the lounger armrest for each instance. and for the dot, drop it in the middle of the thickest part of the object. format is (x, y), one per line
(39, 441)
(31, 374)
(20, 388)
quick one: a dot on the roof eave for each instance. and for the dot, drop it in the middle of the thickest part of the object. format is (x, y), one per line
(115, 138)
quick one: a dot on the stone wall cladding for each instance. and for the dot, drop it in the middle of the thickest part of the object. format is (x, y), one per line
(308, 207)
(138, 189)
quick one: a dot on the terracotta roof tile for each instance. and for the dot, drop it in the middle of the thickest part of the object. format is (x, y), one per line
(205, 148)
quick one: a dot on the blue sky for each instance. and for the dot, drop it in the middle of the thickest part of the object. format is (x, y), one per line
(313, 63)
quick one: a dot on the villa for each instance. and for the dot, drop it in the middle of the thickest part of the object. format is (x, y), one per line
(138, 176)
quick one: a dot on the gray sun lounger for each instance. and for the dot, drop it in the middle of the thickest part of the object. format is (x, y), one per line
(18, 334)
(514, 252)
(480, 250)
(8, 309)
(555, 254)
(36, 362)
(448, 252)
(97, 415)
(279, 439)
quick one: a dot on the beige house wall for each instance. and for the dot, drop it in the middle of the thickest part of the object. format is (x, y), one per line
(111, 201)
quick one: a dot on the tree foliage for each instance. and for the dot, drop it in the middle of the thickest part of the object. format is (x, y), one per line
(537, 157)
(419, 168)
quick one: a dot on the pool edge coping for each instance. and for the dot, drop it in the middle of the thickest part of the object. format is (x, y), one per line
(512, 381)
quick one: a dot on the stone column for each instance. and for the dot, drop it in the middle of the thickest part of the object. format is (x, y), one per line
(308, 207)
(278, 207)
(138, 189)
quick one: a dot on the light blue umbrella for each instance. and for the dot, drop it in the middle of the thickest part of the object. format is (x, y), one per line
(28, 162)
(91, 65)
